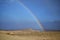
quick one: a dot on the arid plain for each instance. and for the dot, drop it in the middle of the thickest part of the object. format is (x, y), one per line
(29, 35)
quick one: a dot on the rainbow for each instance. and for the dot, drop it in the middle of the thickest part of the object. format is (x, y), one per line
(38, 22)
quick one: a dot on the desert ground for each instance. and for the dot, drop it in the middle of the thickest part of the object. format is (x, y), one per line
(29, 35)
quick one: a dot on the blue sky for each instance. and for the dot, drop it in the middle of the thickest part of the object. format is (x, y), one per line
(15, 16)
(44, 9)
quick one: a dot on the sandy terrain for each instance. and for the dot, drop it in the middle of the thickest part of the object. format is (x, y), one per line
(29, 35)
